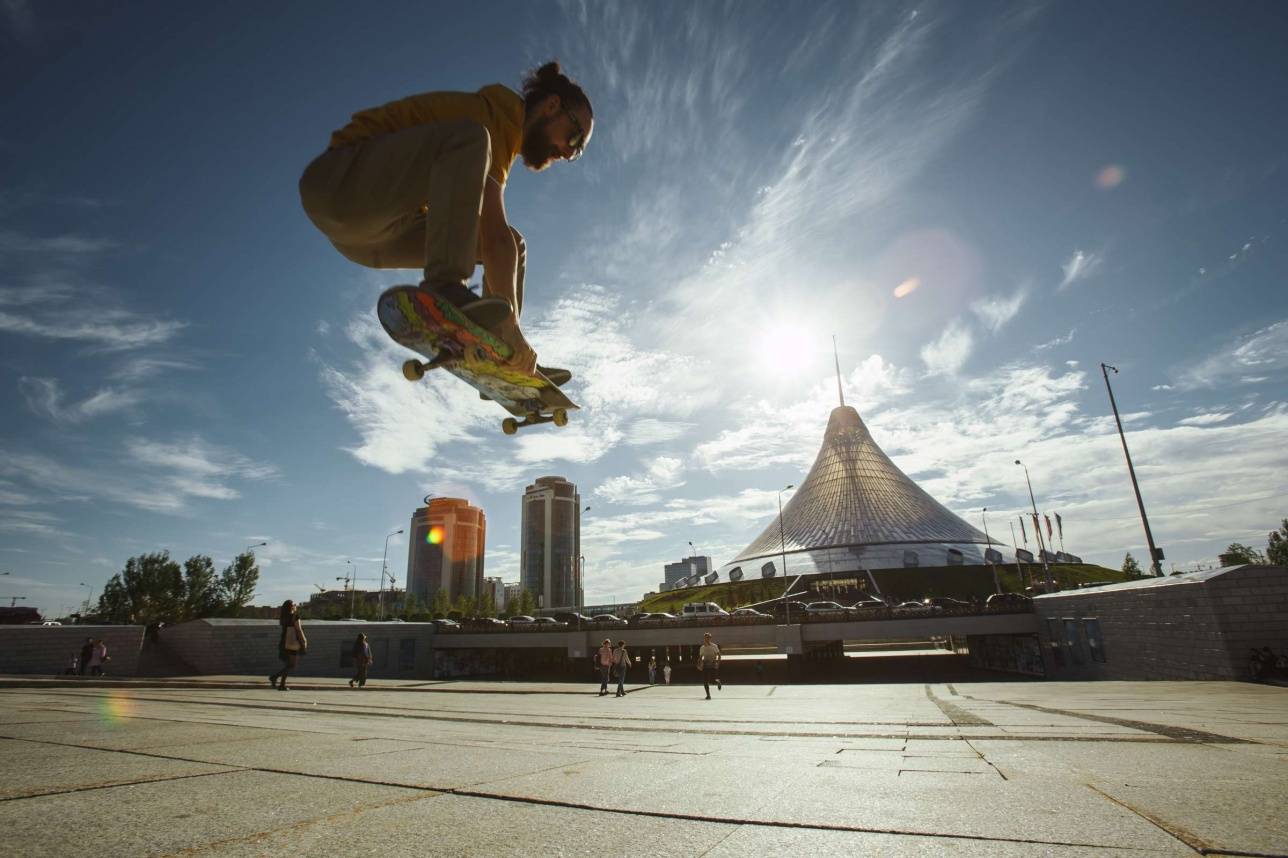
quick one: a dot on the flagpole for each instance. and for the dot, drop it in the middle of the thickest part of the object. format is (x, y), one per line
(1154, 555)
(1018, 570)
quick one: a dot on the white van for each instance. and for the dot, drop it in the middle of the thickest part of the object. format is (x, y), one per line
(702, 611)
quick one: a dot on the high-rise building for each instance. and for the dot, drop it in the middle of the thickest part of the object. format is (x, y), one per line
(511, 600)
(495, 587)
(686, 568)
(445, 550)
(550, 557)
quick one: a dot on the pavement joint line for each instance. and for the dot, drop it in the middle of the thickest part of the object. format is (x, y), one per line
(1000, 773)
(530, 800)
(227, 769)
(1178, 733)
(960, 717)
(1197, 844)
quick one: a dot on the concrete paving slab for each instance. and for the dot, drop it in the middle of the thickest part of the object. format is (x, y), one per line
(163, 818)
(37, 769)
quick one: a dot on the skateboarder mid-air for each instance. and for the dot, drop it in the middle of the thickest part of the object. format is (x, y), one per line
(420, 183)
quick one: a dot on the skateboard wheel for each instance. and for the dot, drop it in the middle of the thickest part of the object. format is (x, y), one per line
(560, 417)
(413, 370)
(509, 425)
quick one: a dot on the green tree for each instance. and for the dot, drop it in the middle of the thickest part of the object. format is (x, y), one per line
(1277, 547)
(1238, 553)
(1130, 566)
(487, 605)
(441, 604)
(527, 602)
(238, 582)
(201, 596)
(147, 590)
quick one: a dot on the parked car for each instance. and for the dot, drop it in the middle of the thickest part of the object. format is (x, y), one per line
(652, 619)
(816, 608)
(521, 620)
(51, 623)
(572, 618)
(946, 603)
(797, 609)
(608, 620)
(1009, 600)
(752, 613)
(548, 623)
(443, 625)
(915, 609)
(702, 611)
(485, 623)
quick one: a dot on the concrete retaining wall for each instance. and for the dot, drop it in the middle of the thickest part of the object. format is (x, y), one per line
(1195, 626)
(48, 649)
(226, 646)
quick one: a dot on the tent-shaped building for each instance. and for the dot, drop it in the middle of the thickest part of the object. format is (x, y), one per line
(856, 510)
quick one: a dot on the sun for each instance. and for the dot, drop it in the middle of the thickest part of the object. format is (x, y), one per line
(785, 349)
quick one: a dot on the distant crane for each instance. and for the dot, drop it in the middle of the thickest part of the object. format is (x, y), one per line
(14, 600)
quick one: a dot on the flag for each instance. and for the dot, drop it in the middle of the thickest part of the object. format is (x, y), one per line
(1037, 529)
(1048, 521)
(1024, 532)
(1059, 525)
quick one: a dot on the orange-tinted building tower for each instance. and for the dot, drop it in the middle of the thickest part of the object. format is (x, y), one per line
(445, 551)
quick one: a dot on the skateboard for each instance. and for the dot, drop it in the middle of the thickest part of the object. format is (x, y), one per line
(436, 328)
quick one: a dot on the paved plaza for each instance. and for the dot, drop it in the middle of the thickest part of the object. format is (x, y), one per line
(227, 766)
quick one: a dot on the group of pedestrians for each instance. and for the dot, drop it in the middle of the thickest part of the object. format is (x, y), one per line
(292, 644)
(614, 662)
(91, 659)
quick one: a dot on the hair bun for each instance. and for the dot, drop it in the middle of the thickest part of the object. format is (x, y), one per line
(549, 71)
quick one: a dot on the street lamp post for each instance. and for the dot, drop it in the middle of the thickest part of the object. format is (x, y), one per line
(85, 610)
(1041, 544)
(1019, 573)
(997, 587)
(353, 589)
(782, 546)
(1154, 555)
(256, 545)
(384, 570)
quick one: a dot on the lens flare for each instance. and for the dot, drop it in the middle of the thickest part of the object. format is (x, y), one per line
(907, 287)
(1110, 176)
(115, 708)
(435, 535)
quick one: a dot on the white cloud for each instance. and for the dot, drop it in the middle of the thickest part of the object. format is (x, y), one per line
(1079, 266)
(45, 397)
(995, 311)
(946, 354)
(661, 474)
(1058, 341)
(1207, 419)
(16, 242)
(1251, 358)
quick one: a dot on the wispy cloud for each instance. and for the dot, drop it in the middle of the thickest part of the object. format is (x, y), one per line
(949, 351)
(663, 473)
(37, 309)
(1058, 341)
(1081, 265)
(45, 397)
(1249, 359)
(994, 311)
(1208, 419)
(18, 242)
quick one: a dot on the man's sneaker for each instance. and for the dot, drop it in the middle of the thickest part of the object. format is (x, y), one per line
(487, 313)
(557, 375)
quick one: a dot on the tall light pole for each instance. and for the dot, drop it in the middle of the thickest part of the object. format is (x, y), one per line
(84, 610)
(353, 588)
(1041, 545)
(256, 545)
(1154, 554)
(782, 546)
(1019, 573)
(997, 586)
(384, 570)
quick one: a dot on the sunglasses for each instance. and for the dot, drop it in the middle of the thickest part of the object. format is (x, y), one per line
(577, 142)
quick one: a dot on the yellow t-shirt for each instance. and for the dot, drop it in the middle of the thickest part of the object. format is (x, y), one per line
(496, 107)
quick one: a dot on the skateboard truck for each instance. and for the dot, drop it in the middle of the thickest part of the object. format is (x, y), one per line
(559, 417)
(414, 370)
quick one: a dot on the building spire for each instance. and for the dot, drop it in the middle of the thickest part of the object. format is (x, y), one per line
(839, 392)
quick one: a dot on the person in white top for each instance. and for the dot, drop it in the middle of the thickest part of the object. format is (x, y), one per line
(709, 663)
(604, 661)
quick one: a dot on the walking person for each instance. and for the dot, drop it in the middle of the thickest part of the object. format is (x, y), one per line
(604, 660)
(621, 664)
(290, 645)
(709, 663)
(97, 658)
(666, 672)
(361, 658)
(72, 665)
(86, 651)
(652, 668)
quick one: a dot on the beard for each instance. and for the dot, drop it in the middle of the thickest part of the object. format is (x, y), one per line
(538, 151)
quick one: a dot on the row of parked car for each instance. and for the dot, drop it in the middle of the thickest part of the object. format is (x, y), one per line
(710, 612)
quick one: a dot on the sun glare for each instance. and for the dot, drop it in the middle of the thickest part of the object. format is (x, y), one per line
(785, 350)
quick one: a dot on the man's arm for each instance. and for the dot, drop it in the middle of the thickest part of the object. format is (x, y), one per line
(500, 253)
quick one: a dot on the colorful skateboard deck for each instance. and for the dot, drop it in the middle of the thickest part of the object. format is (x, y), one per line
(436, 328)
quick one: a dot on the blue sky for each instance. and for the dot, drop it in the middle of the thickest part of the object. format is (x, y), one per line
(981, 201)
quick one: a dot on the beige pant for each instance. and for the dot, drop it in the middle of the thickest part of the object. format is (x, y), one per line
(410, 199)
